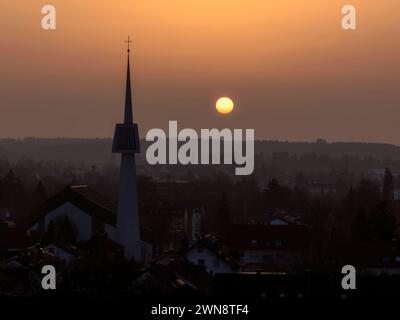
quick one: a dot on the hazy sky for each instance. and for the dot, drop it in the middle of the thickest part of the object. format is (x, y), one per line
(291, 69)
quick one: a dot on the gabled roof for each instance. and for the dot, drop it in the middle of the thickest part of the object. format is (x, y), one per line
(82, 197)
(166, 278)
(217, 250)
(88, 200)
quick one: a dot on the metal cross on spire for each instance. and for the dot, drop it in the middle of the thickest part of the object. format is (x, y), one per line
(128, 42)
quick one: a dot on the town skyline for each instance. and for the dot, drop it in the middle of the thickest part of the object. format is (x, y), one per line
(295, 76)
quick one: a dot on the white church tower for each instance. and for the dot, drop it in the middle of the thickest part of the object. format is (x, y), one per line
(126, 142)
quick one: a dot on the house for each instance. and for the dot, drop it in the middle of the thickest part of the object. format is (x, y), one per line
(207, 252)
(6, 222)
(162, 280)
(279, 246)
(281, 218)
(87, 212)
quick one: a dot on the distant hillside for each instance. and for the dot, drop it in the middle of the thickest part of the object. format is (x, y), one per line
(60, 149)
(335, 149)
(99, 150)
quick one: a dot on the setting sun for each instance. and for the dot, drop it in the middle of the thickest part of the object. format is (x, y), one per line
(224, 105)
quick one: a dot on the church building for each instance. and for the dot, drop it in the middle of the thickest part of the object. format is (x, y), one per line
(90, 213)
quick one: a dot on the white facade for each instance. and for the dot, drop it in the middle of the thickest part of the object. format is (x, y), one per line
(81, 221)
(197, 221)
(128, 212)
(200, 255)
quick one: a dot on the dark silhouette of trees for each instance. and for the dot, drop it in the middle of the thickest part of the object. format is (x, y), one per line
(223, 219)
(39, 195)
(368, 193)
(14, 195)
(378, 225)
(388, 187)
(276, 196)
(360, 207)
(382, 223)
(361, 227)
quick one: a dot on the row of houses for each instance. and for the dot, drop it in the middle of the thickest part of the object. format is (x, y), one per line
(281, 244)
(79, 210)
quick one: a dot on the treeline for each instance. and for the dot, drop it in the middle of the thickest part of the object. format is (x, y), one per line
(364, 210)
(99, 150)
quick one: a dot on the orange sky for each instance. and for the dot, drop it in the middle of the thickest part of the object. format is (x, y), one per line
(292, 71)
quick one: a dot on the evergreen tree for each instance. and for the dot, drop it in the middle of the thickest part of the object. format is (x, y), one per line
(223, 217)
(382, 223)
(14, 195)
(39, 195)
(388, 193)
(360, 227)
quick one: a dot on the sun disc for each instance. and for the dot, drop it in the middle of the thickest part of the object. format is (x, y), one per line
(224, 105)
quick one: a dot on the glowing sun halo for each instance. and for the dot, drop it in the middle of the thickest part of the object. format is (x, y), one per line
(224, 105)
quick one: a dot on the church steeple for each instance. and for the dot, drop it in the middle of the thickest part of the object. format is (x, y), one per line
(126, 142)
(128, 117)
(126, 137)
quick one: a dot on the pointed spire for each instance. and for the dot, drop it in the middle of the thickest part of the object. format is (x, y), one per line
(128, 117)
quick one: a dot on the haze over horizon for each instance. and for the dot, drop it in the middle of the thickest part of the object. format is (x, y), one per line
(293, 73)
